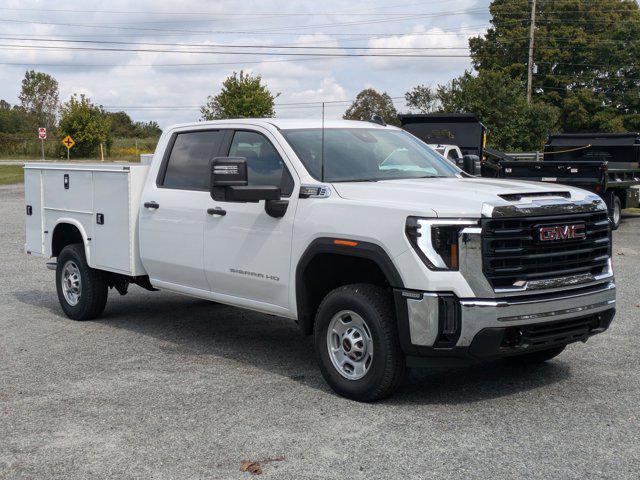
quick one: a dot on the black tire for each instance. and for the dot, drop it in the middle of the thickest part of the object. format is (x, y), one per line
(537, 357)
(387, 369)
(93, 292)
(615, 210)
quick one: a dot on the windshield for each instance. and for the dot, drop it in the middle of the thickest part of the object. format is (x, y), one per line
(366, 154)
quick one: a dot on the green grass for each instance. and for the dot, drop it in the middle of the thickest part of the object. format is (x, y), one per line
(11, 174)
(635, 211)
(122, 149)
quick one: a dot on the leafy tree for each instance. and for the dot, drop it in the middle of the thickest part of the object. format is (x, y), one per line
(586, 55)
(148, 129)
(242, 96)
(422, 98)
(500, 104)
(15, 119)
(88, 124)
(121, 125)
(39, 97)
(369, 103)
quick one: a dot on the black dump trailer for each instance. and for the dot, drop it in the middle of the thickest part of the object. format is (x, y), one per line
(605, 163)
(461, 129)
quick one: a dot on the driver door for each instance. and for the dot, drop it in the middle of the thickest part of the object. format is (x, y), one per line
(247, 253)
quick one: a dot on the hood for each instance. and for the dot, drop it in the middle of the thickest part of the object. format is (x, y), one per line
(452, 197)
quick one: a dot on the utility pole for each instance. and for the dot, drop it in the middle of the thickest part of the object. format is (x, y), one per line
(532, 30)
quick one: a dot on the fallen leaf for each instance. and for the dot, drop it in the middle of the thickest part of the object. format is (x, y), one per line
(251, 467)
(621, 254)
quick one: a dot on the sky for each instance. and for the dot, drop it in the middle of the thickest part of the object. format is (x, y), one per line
(203, 42)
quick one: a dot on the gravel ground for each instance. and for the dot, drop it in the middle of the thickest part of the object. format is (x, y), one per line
(171, 387)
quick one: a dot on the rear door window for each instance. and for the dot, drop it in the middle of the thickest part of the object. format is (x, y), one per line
(187, 167)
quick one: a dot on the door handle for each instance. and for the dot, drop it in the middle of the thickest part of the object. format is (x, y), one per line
(151, 204)
(216, 211)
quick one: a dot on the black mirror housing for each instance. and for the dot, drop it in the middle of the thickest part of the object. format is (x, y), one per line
(230, 182)
(469, 163)
(229, 171)
(250, 194)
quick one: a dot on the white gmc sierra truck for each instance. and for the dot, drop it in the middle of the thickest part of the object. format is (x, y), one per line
(383, 250)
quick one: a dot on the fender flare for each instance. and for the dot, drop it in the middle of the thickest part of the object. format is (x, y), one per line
(366, 250)
(83, 233)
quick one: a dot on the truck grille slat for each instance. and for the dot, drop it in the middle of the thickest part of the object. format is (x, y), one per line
(512, 252)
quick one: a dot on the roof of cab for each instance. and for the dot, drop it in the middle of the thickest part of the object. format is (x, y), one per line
(286, 123)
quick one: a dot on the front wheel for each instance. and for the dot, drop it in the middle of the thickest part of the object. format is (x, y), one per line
(356, 342)
(82, 290)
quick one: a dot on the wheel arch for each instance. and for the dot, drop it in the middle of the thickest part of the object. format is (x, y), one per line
(68, 231)
(325, 265)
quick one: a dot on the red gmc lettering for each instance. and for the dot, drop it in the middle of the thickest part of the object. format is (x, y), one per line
(562, 232)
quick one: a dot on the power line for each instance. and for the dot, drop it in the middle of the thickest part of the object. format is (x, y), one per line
(222, 15)
(220, 52)
(271, 30)
(202, 45)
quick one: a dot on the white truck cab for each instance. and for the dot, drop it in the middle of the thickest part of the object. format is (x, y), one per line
(383, 250)
(450, 152)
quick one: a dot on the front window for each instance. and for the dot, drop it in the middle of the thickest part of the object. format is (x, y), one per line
(366, 154)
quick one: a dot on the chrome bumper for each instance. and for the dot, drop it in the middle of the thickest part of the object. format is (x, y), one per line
(424, 317)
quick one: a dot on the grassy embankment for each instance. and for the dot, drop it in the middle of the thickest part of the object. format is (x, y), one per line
(11, 174)
(15, 147)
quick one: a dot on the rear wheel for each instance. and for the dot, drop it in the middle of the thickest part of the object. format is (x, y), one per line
(356, 342)
(82, 290)
(537, 357)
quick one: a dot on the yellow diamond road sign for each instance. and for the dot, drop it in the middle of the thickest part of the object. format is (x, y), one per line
(68, 142)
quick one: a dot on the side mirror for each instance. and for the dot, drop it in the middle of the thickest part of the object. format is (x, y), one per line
(469, 163)
(229, 182)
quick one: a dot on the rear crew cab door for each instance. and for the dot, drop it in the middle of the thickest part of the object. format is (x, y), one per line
(172, 235)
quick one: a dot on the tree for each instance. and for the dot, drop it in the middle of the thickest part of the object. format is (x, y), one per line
(148, 129)
(121, 125)
(39, 97)
(422, 98)
(369, 103)
(15, 119)
(586, 55)
(242, 96)
(500, 103)
(88, 124)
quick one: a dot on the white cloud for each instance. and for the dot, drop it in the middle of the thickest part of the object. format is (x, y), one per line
(298, 80)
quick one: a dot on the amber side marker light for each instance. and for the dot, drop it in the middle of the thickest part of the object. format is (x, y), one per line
(345, 243)
(454, 256)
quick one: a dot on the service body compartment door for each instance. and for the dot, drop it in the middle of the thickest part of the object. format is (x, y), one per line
(34, 242)
(68, 190)
(111, 236)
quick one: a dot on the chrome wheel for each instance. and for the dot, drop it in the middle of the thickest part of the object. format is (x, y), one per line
(350, 344)
(71, 283)
(617, 213)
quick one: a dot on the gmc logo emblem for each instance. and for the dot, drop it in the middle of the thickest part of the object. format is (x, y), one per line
(562, 232)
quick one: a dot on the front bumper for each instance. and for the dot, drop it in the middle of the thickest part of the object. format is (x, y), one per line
(437, 324)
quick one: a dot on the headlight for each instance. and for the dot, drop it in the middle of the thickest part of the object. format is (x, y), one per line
(436, 241)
